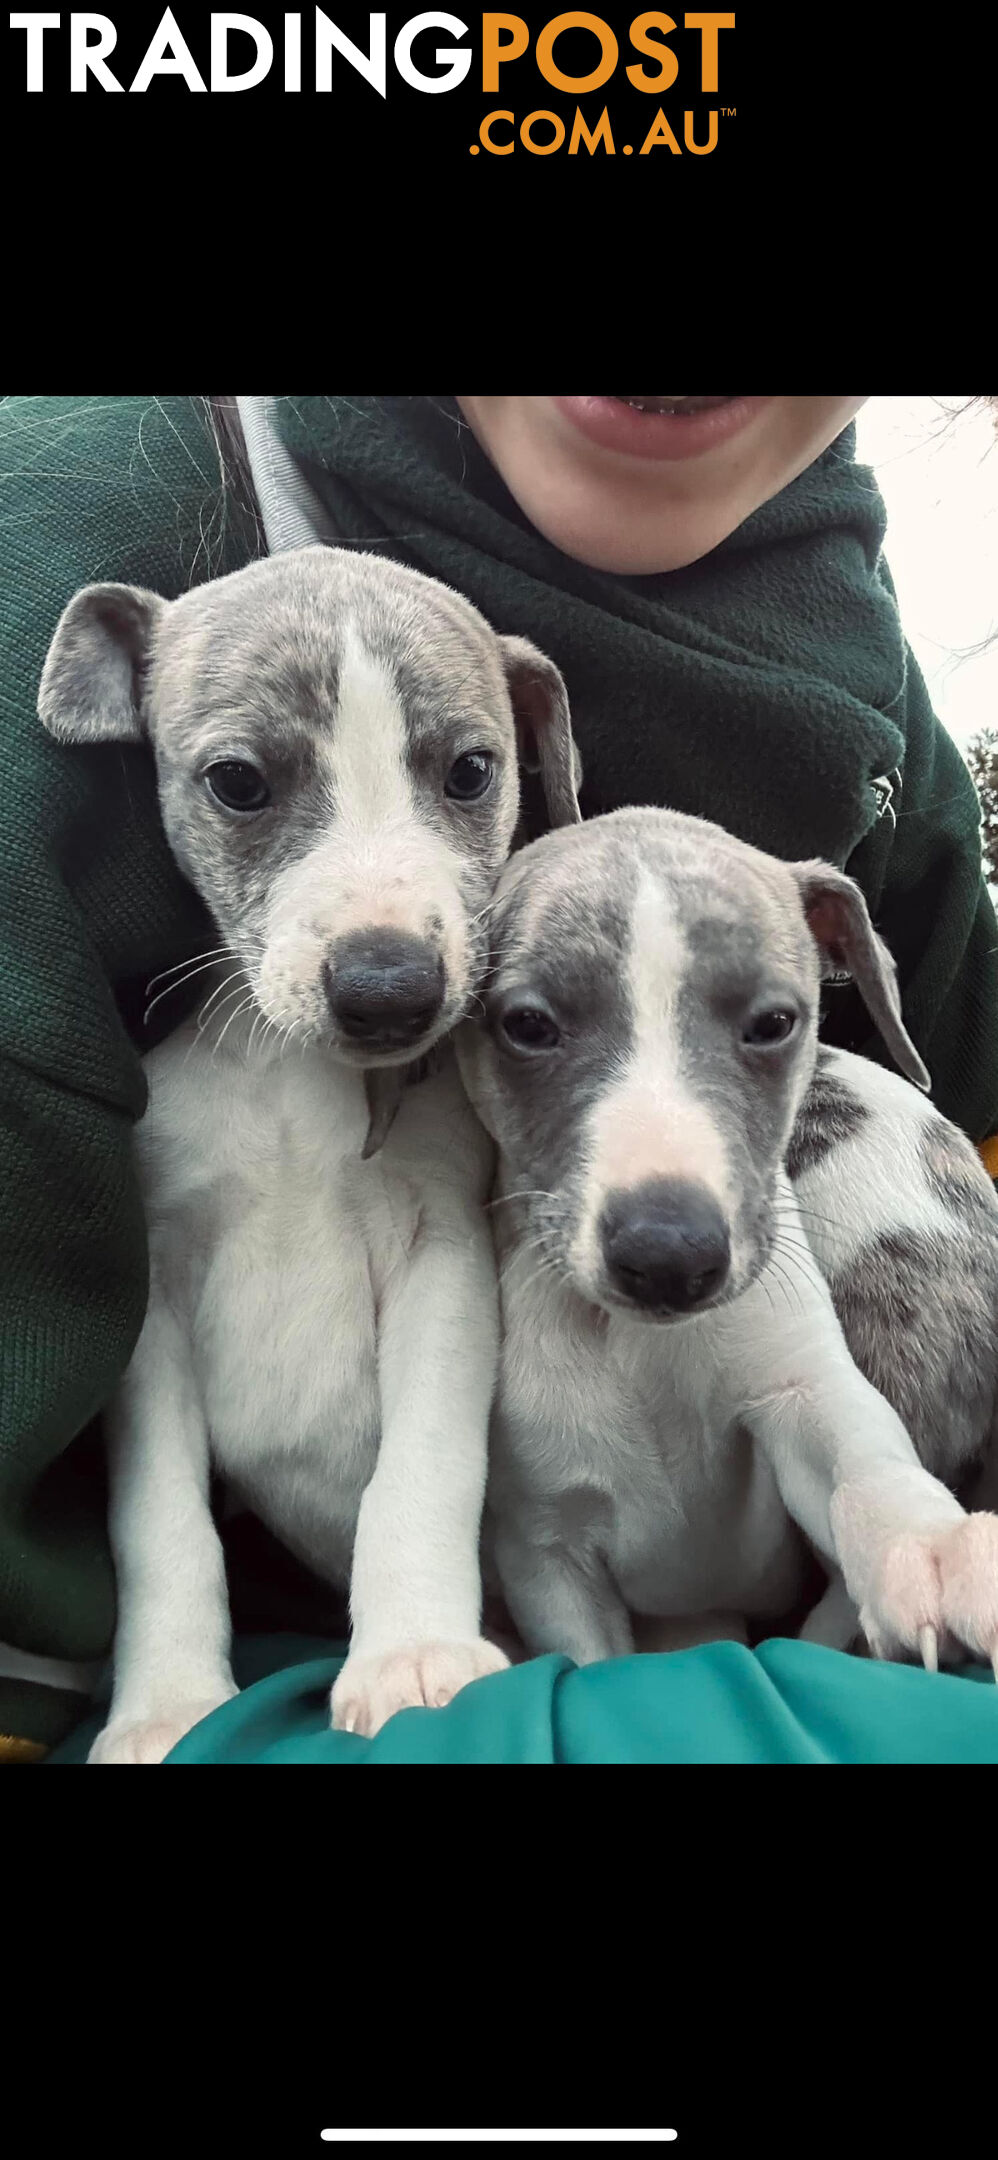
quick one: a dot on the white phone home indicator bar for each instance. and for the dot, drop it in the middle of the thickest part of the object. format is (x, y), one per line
(501, 2137)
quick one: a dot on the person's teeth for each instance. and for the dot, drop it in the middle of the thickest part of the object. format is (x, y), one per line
(671, 404)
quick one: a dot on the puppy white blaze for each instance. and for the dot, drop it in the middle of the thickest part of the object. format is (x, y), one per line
(377, 866)
(650, 1123)
(392, 871)
(366, 755)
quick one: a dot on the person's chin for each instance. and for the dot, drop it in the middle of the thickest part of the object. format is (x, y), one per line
(621, 546)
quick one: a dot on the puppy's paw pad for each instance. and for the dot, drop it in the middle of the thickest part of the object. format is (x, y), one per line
(905, 1604)
(371, 1689)
(968, 1565)
(148, 1740)
(935, 1597)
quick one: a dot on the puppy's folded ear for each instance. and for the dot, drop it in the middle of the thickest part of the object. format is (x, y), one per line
(543, 726)
(91, 686)
(840, 925)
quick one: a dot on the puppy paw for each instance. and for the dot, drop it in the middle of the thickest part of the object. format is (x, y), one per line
(147, 1740)
(370, 1689)
(936, 1597)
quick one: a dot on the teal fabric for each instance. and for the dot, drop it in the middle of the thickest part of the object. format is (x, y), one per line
(786, 1702)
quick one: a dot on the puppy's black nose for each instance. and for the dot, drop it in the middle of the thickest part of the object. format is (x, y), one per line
(665, 1245)
(384, 989)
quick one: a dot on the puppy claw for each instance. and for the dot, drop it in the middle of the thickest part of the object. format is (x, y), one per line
(929, 1646)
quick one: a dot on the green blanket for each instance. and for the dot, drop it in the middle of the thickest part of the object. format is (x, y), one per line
(768, 686)
(787, 1702)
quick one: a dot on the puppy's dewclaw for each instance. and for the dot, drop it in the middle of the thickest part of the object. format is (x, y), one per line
(336, 743)
(710, 1366)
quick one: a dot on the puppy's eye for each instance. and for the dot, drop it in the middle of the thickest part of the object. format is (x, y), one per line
(765, 1029)
(530, 1028)
(237, 785)
(470, 776)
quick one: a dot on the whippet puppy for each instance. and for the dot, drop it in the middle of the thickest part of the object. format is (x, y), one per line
(335, 741)
(679, 1417)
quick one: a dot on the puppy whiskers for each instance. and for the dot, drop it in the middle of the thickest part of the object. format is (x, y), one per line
(221, 952)
(247, 1003)
(785, 1285)
(530, 1193)
(201, 969)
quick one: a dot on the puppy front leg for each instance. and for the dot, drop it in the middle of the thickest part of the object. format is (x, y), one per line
(171, 1650)
(562, 1600)
(415, 1593)
(922, 1572)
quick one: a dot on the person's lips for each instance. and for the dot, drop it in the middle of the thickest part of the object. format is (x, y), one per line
(658, 427)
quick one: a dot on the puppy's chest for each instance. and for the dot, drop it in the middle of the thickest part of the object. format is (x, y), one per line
(654, 1467)
(694, 1497)
(276, 1242)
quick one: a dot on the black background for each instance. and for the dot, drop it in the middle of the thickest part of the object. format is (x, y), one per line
(847, 176)
(312, 199)
(773, 1968)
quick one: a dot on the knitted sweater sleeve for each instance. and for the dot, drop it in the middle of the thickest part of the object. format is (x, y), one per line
(91, 906)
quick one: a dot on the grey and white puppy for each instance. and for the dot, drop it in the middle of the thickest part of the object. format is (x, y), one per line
(336, 751)
(679, 1416)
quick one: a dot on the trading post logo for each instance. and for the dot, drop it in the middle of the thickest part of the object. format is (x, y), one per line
(578, 85)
